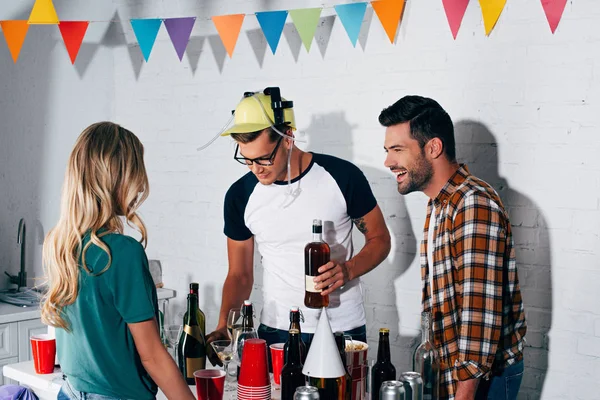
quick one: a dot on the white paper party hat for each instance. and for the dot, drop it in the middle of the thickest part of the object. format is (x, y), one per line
(323, 359)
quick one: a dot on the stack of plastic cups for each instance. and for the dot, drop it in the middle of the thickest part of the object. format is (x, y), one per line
(254, 382)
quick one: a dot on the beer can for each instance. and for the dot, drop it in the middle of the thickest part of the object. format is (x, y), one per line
(392, 390)
(306, 393)
(413, 385)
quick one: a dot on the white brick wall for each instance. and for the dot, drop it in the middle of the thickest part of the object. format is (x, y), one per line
(524, 103)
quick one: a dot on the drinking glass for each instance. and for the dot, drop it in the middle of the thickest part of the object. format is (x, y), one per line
(224, 350)
(173, 334)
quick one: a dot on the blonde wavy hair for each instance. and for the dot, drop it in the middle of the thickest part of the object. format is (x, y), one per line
(105, 179)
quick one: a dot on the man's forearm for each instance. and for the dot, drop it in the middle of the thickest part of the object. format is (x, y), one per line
(465, 390)
(374, 252)
(236, 289)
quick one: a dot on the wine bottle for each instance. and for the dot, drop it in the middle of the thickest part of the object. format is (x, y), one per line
(316, 254)
(247, 324)
(426, 360)
(201, 317)
(192, 349)
(295, 317)
(383, 370)
(340, 340)
(291, 374)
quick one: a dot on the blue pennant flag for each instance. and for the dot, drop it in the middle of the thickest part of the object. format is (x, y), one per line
(146, 31)
(352, 16)
(272, 23)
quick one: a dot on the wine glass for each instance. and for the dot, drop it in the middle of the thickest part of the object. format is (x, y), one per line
(233, 320)
(224, 350)
(173, 334)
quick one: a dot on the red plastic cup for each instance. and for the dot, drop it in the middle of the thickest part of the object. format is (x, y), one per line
(277, 360)
(43, 349)
(210, 384)
(254, 368)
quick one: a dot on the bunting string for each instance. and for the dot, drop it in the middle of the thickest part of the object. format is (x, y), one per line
(228, 27)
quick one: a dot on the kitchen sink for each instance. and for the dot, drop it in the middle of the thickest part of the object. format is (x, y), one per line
(25, 297)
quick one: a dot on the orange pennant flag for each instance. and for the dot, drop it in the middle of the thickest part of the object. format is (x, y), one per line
(14, 33)
(229, 27)
(389, 13)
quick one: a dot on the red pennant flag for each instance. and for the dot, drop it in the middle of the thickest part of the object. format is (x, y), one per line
(72, 33)
(554, 10)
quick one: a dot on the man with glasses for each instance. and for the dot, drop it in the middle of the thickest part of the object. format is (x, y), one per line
(274, 211)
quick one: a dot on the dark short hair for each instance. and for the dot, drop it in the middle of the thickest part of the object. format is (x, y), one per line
(252, 136)
(427, 120)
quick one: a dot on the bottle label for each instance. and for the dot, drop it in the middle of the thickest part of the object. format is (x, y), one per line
(194, 364)
(310, 285)
(194, 331)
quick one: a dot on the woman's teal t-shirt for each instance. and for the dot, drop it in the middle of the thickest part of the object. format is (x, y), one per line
(99, 355)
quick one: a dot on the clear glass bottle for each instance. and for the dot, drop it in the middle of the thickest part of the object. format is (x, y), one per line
(426, 360)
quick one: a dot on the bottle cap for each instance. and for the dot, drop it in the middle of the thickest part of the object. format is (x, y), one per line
(294, 309)
(194, 286)
(247, 303)
(317, 222)
(384, 330)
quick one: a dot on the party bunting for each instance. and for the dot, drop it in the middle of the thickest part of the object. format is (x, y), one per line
(491, 10)
(146, 31)
(272, 23)
(389, 13)
(351, 16)
(306, 21)
(179, 30)
(229, 27)
(73, 33)
(455, 11)
(14, 33)
(554, 10)
(43, 12)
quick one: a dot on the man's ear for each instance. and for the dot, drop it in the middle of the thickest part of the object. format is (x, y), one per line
(436, 148)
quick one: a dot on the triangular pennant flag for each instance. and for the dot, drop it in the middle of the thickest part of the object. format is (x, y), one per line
(72, 33)
(455, 11)
(272, 23)
(389, 13)
(179, 30)
(229, 27)
(14, 33)
(554, 10)
(43, 12)
(351, 16)
(306, 20)
(491, 10)
(145, 31)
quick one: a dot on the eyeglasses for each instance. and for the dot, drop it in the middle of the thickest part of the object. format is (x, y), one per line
(264, 161)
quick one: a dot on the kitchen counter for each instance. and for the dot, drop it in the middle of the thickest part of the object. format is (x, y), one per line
(47, 386)
(10, 313)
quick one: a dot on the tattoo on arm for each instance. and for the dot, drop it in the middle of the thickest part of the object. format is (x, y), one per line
(360, 224)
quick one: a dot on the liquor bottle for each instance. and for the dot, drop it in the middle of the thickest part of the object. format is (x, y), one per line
(383, 370)
(192, 349)
(426, 360)
(295, 317)
(201, 317)
(291, 374)
(316, 254)
(341, 345)
(329, 388)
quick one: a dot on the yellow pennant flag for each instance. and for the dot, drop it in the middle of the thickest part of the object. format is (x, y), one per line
(43, 12)
(491, 10)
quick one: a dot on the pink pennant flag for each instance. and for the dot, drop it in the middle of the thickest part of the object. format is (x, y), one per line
(554, 11)
(455, 11)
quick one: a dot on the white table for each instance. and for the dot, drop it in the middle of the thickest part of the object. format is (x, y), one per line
(47, 386)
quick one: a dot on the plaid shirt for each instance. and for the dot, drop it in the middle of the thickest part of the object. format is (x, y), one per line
(478, 317)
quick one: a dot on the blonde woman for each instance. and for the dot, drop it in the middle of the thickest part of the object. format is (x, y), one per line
(101, 296)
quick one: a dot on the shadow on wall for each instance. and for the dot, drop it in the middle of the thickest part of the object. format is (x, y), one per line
(477, 147)
(23, 112)
(332, 134)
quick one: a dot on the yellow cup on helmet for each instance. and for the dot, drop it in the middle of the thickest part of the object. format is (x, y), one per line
(255, 112)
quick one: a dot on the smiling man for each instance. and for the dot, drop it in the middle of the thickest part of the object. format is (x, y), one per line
(468, 270)
(273, 211)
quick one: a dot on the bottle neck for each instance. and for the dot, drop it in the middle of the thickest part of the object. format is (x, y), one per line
(383, 352)
(295, 321)
(294, 350)
(247, 321)
(317, 237)
(192, 308)
(425, 327)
